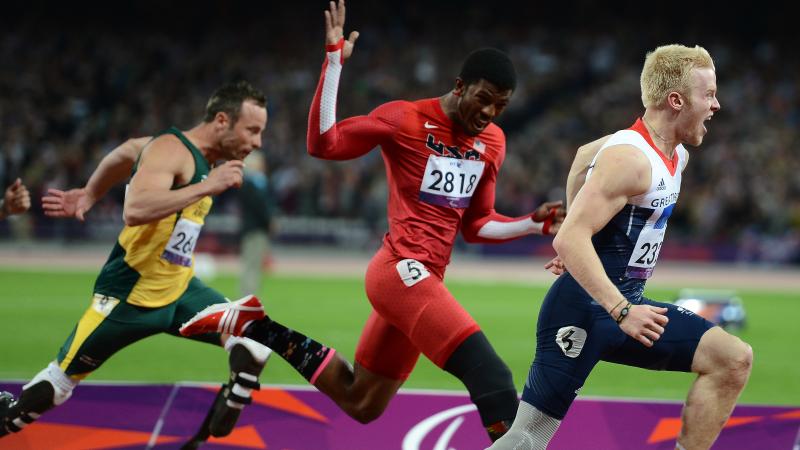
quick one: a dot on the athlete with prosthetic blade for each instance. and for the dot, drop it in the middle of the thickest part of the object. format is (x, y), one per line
(625, 188)
(147, 285)
(442, 158)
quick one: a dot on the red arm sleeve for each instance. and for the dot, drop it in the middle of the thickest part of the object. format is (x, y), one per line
(482, 224)
(351, 137)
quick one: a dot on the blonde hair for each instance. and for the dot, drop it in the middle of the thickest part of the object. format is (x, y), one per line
(667, 69)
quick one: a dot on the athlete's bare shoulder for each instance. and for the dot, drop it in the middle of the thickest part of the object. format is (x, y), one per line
(587, 152)
(625, 167)
(581, 165)
(166, 140)
(163, 154)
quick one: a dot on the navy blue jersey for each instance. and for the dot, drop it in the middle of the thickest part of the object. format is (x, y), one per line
(630, 243)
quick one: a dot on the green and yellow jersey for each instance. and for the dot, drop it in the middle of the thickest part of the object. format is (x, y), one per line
(151, 264)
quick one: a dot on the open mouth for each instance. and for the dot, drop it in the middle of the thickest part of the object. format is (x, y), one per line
(705, 128)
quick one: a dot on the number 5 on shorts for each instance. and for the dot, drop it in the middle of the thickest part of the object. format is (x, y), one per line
(412, 271)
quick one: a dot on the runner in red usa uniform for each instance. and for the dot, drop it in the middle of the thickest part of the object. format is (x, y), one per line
(439, 177)
(442, 157)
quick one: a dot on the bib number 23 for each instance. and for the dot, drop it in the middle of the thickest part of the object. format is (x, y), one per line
(649, 253)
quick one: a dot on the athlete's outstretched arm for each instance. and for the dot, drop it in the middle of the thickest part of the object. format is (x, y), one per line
(163, 164)
(482, 224)
(114, 168)
(620, 172)
(351, 137)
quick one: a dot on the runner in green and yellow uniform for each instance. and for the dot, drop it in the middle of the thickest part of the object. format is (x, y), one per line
(147, 286)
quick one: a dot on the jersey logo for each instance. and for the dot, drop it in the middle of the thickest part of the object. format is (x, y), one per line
(451, 151)
(661, 186)
(429, 126)
(662, 221)
(479, 146)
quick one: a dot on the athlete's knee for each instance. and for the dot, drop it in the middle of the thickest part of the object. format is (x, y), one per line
(494, 375)
(475, 360)
(487, 378)
(361, 393)
(550, 390)
(739, 362)
(367, 405)
(366, 410)
(726, 357)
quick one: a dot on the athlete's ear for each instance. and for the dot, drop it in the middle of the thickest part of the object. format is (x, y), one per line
(222, 120)
(675, 100)
(459, 88)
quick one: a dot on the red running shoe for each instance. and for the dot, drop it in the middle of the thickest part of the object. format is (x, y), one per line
(227, 318)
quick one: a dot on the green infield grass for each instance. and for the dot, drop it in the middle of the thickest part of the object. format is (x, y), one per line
(38, 310)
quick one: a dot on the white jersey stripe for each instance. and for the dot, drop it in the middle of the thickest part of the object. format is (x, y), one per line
(330, 88)
(509, 230)
(630, 220)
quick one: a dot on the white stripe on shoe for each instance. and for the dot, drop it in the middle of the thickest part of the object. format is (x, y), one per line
(231, 325)
(227, 316)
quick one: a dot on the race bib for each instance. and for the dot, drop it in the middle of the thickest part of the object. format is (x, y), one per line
(411, 271)
(571, 340)
(181, 243)
(450, 182)
(645, 253)
(103, 304)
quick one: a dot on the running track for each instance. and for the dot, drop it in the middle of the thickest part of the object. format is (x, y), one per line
(123, 416)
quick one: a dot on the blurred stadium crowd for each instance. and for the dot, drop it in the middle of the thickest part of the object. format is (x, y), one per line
(71, 90)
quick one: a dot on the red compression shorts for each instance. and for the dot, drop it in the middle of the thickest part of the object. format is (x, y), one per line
(408, 317)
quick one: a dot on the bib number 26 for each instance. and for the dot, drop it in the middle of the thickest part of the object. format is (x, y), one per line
(180, 246)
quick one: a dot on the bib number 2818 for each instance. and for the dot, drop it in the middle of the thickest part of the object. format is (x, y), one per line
(450, 182)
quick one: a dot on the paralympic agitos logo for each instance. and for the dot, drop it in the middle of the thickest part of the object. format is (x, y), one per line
(427, 429)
